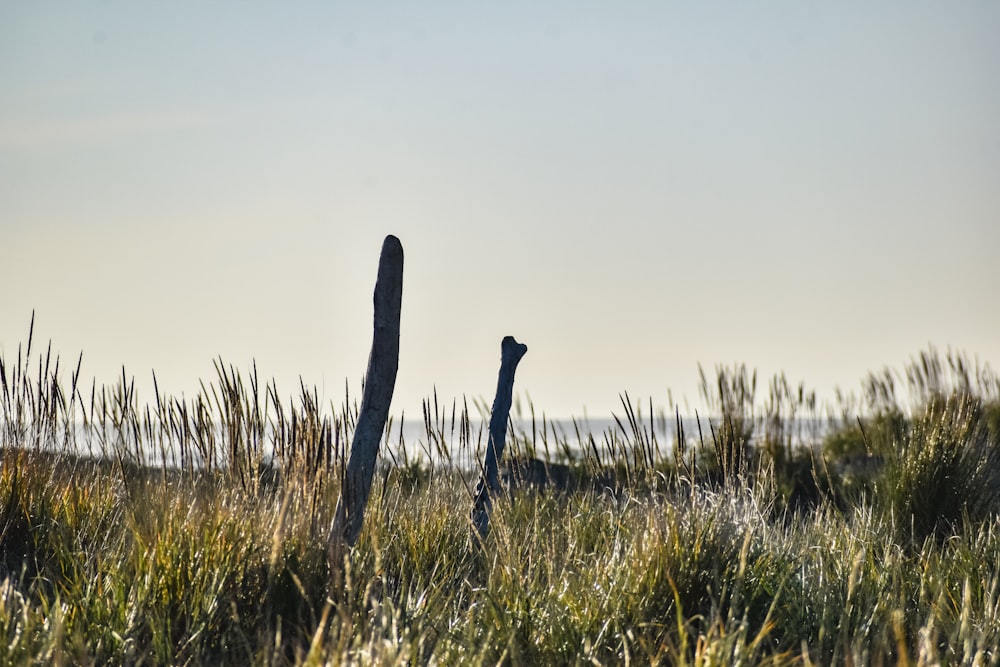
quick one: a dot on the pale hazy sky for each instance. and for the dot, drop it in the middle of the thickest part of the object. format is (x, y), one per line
(627, 188)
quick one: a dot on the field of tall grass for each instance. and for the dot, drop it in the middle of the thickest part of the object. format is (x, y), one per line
(194, 531)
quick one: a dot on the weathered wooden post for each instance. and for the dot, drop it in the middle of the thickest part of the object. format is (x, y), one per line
(489, 481)
(379, 384)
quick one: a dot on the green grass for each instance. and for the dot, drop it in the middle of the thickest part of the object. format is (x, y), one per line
(748, 544)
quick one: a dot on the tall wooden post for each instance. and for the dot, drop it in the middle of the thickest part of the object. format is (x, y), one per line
(379, 384)
(489, 482)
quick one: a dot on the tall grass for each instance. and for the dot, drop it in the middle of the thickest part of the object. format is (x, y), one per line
(751, 542)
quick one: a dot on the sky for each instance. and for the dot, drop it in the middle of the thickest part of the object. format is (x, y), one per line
(630, 189)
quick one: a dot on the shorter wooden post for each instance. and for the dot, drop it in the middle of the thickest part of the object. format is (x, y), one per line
(489, 481)
(379, 384)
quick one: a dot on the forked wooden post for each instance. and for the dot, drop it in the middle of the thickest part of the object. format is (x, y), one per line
(489, 481)
(379, 384)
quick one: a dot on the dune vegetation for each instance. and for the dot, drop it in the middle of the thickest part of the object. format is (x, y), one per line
(194, 531)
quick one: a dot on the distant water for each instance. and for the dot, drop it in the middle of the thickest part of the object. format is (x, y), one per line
(569, 437)
(445, 440)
